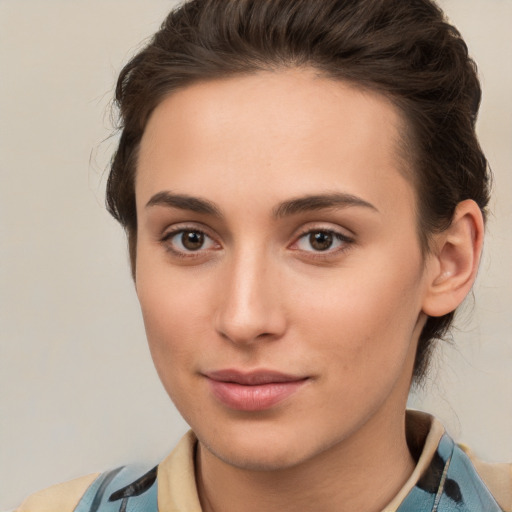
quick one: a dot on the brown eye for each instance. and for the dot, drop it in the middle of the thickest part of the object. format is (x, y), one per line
(325, 241)
(321, 240)
(192, 240)
(189, 242)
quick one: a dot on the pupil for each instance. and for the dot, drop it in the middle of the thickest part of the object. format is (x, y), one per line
(321, 241)
(192, 240)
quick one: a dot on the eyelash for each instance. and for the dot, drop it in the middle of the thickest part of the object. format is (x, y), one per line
(344, 240)
(168, 236)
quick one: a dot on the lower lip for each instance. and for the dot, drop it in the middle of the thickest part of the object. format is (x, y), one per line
(253, 398)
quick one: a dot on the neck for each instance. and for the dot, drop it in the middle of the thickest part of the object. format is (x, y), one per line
(375, 458)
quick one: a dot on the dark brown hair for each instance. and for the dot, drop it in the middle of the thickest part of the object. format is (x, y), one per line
(406, 50)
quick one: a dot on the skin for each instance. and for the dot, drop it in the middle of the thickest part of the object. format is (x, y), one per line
(259, 295)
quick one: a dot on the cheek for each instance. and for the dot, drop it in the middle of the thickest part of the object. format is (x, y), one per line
(174, 312)
(174, 332)
(364, 323)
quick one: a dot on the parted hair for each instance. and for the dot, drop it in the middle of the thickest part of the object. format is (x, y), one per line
(403, 49)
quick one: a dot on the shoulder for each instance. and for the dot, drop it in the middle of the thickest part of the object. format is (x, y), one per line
(497, 478)
(134, 483)
(448, 473)
(107, 492)
(62, 497)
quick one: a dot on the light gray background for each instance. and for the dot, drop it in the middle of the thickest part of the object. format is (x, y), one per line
(78, 391)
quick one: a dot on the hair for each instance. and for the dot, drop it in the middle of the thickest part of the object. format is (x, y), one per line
(406, 51)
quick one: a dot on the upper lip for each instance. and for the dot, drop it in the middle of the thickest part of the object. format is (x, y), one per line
(252, 378)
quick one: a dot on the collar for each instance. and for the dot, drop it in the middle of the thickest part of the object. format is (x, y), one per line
(444, 480)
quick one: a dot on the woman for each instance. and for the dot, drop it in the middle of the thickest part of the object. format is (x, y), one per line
(304, 198)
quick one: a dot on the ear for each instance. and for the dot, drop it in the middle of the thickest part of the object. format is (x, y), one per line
(453, 263)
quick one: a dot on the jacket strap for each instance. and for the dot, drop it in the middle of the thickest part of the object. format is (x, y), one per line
(121, 490)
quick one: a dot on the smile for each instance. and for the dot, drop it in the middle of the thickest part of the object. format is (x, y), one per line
(254, 391)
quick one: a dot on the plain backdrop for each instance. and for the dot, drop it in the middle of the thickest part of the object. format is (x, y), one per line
(78, 392)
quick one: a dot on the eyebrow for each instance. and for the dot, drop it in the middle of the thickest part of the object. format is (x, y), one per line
(184, 202)
(285, 209)
(320, 202)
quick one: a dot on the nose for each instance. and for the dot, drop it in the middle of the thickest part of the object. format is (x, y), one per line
(250, 307)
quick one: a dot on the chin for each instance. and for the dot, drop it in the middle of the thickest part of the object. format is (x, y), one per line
(258, 458)
(257, 448)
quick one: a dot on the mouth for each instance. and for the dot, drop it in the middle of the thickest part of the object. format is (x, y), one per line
(253, 391)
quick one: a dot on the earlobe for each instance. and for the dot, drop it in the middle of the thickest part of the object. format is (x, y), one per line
(454, 263)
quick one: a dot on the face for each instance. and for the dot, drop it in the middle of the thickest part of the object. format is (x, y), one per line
(278, 265)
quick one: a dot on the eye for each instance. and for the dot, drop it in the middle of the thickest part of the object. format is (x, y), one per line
(186, 241)
(322, 240)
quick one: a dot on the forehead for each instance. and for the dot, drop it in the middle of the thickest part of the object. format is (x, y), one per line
(275, 133)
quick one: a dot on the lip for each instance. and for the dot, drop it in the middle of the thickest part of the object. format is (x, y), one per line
(253, 391)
